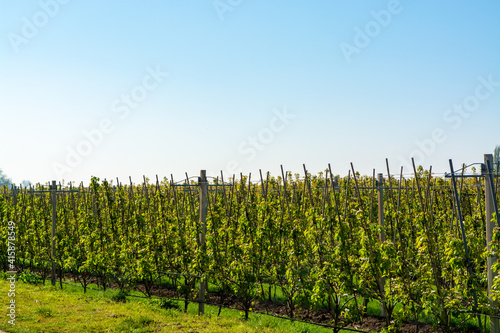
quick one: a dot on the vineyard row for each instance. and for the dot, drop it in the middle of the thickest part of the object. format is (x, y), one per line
(421, 246)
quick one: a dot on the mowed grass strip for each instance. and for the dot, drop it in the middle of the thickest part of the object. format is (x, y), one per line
(47, 309)
(43, 308)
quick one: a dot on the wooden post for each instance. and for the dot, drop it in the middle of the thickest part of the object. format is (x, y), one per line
(380, 185)
(202, 182)
(14, 192)
(490, 225)
(53, 190)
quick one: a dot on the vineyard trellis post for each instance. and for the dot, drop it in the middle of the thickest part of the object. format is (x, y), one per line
(470, 265)
(380, 186)
(490, 225)
(14, 192)
(202, 182)
(53, 190)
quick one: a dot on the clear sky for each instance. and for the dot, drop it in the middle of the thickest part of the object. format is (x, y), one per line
(132, 88)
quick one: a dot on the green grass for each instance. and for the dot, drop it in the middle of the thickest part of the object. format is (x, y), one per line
(43, 308)
(47, 309)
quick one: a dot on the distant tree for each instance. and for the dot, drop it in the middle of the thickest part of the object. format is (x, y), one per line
(26, 183)
(496, 155)
(4, 180)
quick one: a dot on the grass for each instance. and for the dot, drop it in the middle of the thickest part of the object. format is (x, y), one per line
(43, 308)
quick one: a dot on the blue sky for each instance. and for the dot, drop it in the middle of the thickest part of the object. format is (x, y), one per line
(128, 88)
